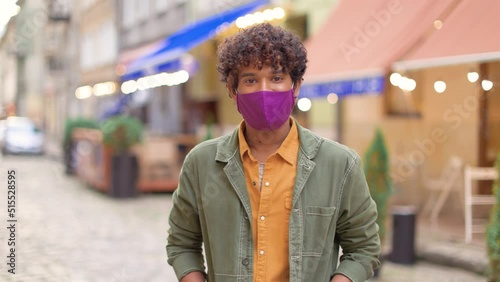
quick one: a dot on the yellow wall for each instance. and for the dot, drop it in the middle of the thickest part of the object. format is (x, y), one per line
(361, 115)
(228, 113)
(322, 118)
(203, 85)
(317, 11)
(420, 146)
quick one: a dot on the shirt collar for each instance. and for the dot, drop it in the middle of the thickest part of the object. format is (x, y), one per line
(288, 149)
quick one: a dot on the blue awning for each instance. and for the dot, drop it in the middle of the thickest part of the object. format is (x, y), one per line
(118, 107)
(373, 85)
(168, 56)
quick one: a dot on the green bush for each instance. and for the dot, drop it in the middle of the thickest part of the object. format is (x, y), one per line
(493, 231)
(73, 123)
(376, 167)
(121, 132)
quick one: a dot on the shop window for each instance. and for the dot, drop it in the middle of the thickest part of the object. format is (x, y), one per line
(143, 11)
(162, 5)
(181, 13)
(403, 103)
(55, 63)
(298, 25)
(129, 13)
(60, 10)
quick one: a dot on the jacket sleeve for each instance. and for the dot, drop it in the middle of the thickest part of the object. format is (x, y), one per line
(184, 242)
(357, 230)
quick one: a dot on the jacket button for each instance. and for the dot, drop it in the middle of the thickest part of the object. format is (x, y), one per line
(245, 262)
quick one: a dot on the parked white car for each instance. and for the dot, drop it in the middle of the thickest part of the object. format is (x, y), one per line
(3, 124)
(21, 136)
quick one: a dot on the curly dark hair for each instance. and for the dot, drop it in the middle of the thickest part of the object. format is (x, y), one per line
(261, 45)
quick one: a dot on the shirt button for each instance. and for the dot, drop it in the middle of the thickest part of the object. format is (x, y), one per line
(261, 252)
(245, 262)
(267, 184)
(262, 218)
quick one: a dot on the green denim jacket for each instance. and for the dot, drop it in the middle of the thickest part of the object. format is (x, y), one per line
(331, 206)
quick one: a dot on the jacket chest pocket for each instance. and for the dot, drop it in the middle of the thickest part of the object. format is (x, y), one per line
(318, 229)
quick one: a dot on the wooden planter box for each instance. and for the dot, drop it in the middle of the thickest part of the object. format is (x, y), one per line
(160, 160)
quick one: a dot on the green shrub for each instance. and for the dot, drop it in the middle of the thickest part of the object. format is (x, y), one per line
(493, 231)
(376, 167)
(73, 123)
(121, 132)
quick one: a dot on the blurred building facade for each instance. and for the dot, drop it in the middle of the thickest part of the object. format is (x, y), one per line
(143, 25)
(58, 70)
(8, 75)
(186, 107)
(98, 37)
(23, 54)
(63, 59)
(356, 52)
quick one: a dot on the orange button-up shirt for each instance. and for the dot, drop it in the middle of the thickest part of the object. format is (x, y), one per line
(271, 204)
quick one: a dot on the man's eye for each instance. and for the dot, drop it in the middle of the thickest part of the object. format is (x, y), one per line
(277, 78)
(250, 80)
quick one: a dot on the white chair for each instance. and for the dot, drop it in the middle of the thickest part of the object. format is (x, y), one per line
(473, 199)
(439, 189)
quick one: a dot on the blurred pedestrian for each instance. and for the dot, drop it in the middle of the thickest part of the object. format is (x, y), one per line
(271, 201)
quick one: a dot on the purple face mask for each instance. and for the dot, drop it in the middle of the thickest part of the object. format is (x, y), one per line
(266, 110)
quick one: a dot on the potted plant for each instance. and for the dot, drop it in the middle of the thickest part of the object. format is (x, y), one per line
(67, 143)
(493, 232)
(120, 133)
(376, 168)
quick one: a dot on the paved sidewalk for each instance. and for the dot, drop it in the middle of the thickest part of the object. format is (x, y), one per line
(53, 149)
(442, 256)
(471, 257)
(446, 245)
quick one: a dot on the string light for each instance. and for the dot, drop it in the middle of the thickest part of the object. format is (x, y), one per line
(472, 76)
(260, 17)
(153, 81)
(439, 86)
(304, 104)
(487, 85)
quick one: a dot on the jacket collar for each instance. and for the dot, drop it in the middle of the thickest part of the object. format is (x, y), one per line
(228, 146)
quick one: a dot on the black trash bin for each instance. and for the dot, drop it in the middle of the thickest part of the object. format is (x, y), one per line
(403, 235)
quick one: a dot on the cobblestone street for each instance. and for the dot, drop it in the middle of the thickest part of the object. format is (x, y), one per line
(67, 231)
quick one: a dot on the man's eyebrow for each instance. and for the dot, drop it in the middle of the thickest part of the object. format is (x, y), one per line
(247, 74)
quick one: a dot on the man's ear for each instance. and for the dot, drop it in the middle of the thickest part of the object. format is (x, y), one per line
(230, 91)
(296, 88)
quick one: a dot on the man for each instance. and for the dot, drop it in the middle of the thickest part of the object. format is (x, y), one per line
(271, 201)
